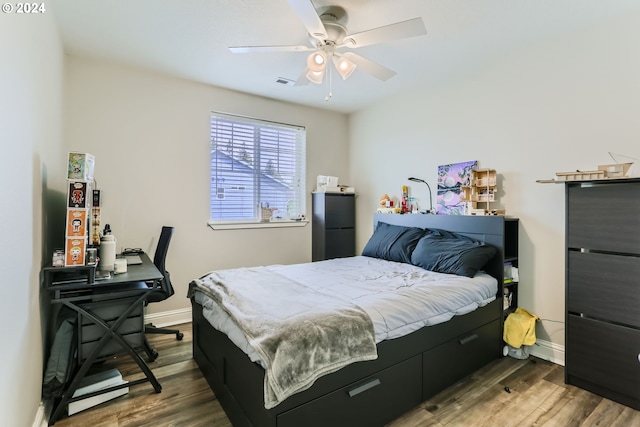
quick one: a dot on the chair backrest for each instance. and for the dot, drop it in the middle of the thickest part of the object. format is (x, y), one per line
(159, 259)
(162, 248)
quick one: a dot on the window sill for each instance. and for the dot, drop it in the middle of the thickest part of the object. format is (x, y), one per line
(247, 225)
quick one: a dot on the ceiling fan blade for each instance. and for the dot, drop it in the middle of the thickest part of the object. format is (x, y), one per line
(370, 67)
(400, 30)
(309, 17)
(253, 49)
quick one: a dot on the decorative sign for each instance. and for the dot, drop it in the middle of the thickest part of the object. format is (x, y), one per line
(450, 179)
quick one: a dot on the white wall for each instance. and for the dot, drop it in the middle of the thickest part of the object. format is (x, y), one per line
(560, 105)
(31, 73)
(150, 136)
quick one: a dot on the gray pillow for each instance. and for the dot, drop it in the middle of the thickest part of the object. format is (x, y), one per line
(446, 252)
(393, 242)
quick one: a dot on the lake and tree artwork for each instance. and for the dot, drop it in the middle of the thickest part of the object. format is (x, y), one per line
(450, 179)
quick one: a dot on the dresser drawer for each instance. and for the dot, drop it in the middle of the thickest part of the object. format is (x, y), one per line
(340, 211)
(603, 354)
(340, 243)
(94, 332)
(110, 310)
(604, 286)
(461, 356)
(89, 333)
(604, 217)
(394, 390)
(111, 348)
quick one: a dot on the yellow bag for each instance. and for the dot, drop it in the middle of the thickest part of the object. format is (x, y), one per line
(520, 328)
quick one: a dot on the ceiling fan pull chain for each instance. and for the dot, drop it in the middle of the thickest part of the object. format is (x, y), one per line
(329, 95)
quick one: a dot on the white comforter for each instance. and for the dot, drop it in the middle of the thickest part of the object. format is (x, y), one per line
(400, 298)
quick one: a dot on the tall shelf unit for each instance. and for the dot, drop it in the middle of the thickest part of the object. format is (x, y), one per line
(602, 288)
(480, 193)
(333, 224)
(511, 274)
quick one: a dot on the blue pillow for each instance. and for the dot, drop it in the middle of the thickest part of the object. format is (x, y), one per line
(393, 242)
(447, 252)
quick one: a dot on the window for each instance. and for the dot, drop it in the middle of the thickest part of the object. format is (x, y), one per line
(257, 171)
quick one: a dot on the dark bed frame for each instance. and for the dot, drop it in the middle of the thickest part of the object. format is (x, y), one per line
(407, 372)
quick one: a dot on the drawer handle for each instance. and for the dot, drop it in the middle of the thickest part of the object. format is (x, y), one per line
(468, 339)
(364, 387)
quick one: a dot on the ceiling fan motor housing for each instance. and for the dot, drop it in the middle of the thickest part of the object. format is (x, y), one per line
(334, 20)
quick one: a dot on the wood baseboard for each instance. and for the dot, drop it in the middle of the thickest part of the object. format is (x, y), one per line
(548, 351)
(41, 417)
(169, 318)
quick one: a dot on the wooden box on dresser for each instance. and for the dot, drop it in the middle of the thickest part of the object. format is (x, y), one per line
(603, 288)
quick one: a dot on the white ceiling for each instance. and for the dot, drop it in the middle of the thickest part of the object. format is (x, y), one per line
(190, 39)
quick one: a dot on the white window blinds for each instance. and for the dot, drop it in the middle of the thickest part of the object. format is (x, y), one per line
(257, 170)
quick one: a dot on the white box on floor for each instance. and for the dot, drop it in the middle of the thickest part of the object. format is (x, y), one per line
(95, 382)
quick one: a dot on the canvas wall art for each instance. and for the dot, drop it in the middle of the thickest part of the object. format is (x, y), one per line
(450, 179)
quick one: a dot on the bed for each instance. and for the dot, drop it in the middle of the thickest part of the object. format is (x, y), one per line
(407, 368)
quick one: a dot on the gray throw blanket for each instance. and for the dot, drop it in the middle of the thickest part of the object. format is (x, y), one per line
(300, 334)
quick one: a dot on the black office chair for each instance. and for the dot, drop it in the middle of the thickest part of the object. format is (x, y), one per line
(165, 291)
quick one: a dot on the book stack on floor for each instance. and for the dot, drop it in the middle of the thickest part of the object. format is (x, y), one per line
(96, 382)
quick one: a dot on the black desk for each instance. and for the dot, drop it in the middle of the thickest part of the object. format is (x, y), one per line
(76, 288)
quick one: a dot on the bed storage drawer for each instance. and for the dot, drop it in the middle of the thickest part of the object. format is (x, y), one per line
(604, 358)
(365, 403)
(461, 356)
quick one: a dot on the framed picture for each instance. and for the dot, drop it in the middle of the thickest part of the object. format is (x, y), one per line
(450, 179)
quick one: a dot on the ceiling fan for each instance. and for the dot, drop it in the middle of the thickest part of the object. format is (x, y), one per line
(328, 34)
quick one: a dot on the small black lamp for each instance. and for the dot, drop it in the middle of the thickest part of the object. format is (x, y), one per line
(430, 199)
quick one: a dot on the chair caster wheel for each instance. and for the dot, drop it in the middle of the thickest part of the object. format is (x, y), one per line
(179, 336)
(153, 356)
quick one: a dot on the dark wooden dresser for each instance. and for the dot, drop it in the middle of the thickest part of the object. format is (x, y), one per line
(603, 288)
(333, 226)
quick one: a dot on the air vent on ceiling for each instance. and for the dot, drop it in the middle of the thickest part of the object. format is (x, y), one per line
(284, 81)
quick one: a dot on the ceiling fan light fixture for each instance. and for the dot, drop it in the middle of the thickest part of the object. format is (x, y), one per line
(344, 66)
(315, 76)
(317, 61)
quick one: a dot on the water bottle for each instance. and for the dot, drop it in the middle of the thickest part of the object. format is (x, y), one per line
(107, 250)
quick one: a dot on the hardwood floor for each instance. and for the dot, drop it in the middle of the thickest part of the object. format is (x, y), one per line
(537, 396)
